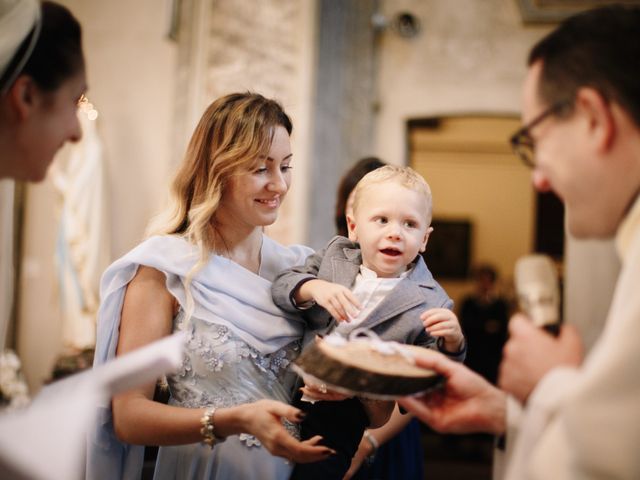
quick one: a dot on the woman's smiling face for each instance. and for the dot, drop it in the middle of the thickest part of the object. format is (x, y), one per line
(52, 121)
(254, 198)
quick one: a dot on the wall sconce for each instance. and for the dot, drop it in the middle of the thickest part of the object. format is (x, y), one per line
(172, 15)
(405, 24)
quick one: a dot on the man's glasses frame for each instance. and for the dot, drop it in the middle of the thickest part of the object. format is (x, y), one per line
(523, 143)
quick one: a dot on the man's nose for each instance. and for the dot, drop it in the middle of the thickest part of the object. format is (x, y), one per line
(540, 181)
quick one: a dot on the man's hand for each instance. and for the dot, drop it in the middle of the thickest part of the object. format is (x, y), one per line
(530, 353)
(337, 299)
(467, 403)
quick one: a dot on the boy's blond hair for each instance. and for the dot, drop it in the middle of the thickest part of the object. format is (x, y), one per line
(405, 176)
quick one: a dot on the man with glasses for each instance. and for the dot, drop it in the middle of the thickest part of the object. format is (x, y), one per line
(563, 416)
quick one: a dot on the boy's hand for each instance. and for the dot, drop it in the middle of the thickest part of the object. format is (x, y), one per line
(337, 299)
(442, 322)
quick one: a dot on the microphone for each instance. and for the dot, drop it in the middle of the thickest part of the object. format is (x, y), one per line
(538, 291)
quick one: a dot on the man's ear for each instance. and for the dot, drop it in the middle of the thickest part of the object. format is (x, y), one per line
(351, 226)
(600, 121)
(22, 97)
(426, 239)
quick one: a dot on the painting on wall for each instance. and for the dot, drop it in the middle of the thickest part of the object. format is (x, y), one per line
(448, 253)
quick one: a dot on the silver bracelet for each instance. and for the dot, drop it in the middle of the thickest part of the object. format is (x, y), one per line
(372, 441)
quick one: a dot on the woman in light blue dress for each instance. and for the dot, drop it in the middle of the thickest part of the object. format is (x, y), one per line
(208, 273)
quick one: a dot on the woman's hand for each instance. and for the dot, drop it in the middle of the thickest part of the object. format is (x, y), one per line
(321, 392)
(442, 322)
(263, 419)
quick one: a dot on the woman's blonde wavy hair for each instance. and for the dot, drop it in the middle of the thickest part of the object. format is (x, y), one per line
(233, 133)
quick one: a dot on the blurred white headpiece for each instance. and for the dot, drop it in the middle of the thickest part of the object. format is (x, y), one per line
(17, 19)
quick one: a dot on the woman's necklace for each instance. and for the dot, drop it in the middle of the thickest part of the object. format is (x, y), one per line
(246, 254)
(249, 260)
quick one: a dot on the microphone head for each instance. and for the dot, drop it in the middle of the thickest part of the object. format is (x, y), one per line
(537, 289)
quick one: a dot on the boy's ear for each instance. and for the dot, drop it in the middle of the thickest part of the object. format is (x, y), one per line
(351, 226)
(426, 239)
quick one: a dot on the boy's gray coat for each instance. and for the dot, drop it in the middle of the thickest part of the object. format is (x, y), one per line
(396, 318)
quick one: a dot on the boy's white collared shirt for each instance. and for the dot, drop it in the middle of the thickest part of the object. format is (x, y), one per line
(370, 290)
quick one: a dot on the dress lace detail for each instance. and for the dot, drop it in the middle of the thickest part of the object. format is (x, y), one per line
(221, 370)
(249, 440)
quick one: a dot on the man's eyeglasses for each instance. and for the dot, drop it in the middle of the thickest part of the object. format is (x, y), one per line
(522, 142)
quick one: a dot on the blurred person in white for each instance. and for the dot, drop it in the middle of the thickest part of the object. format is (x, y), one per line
(566, 416)
(42, 79)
